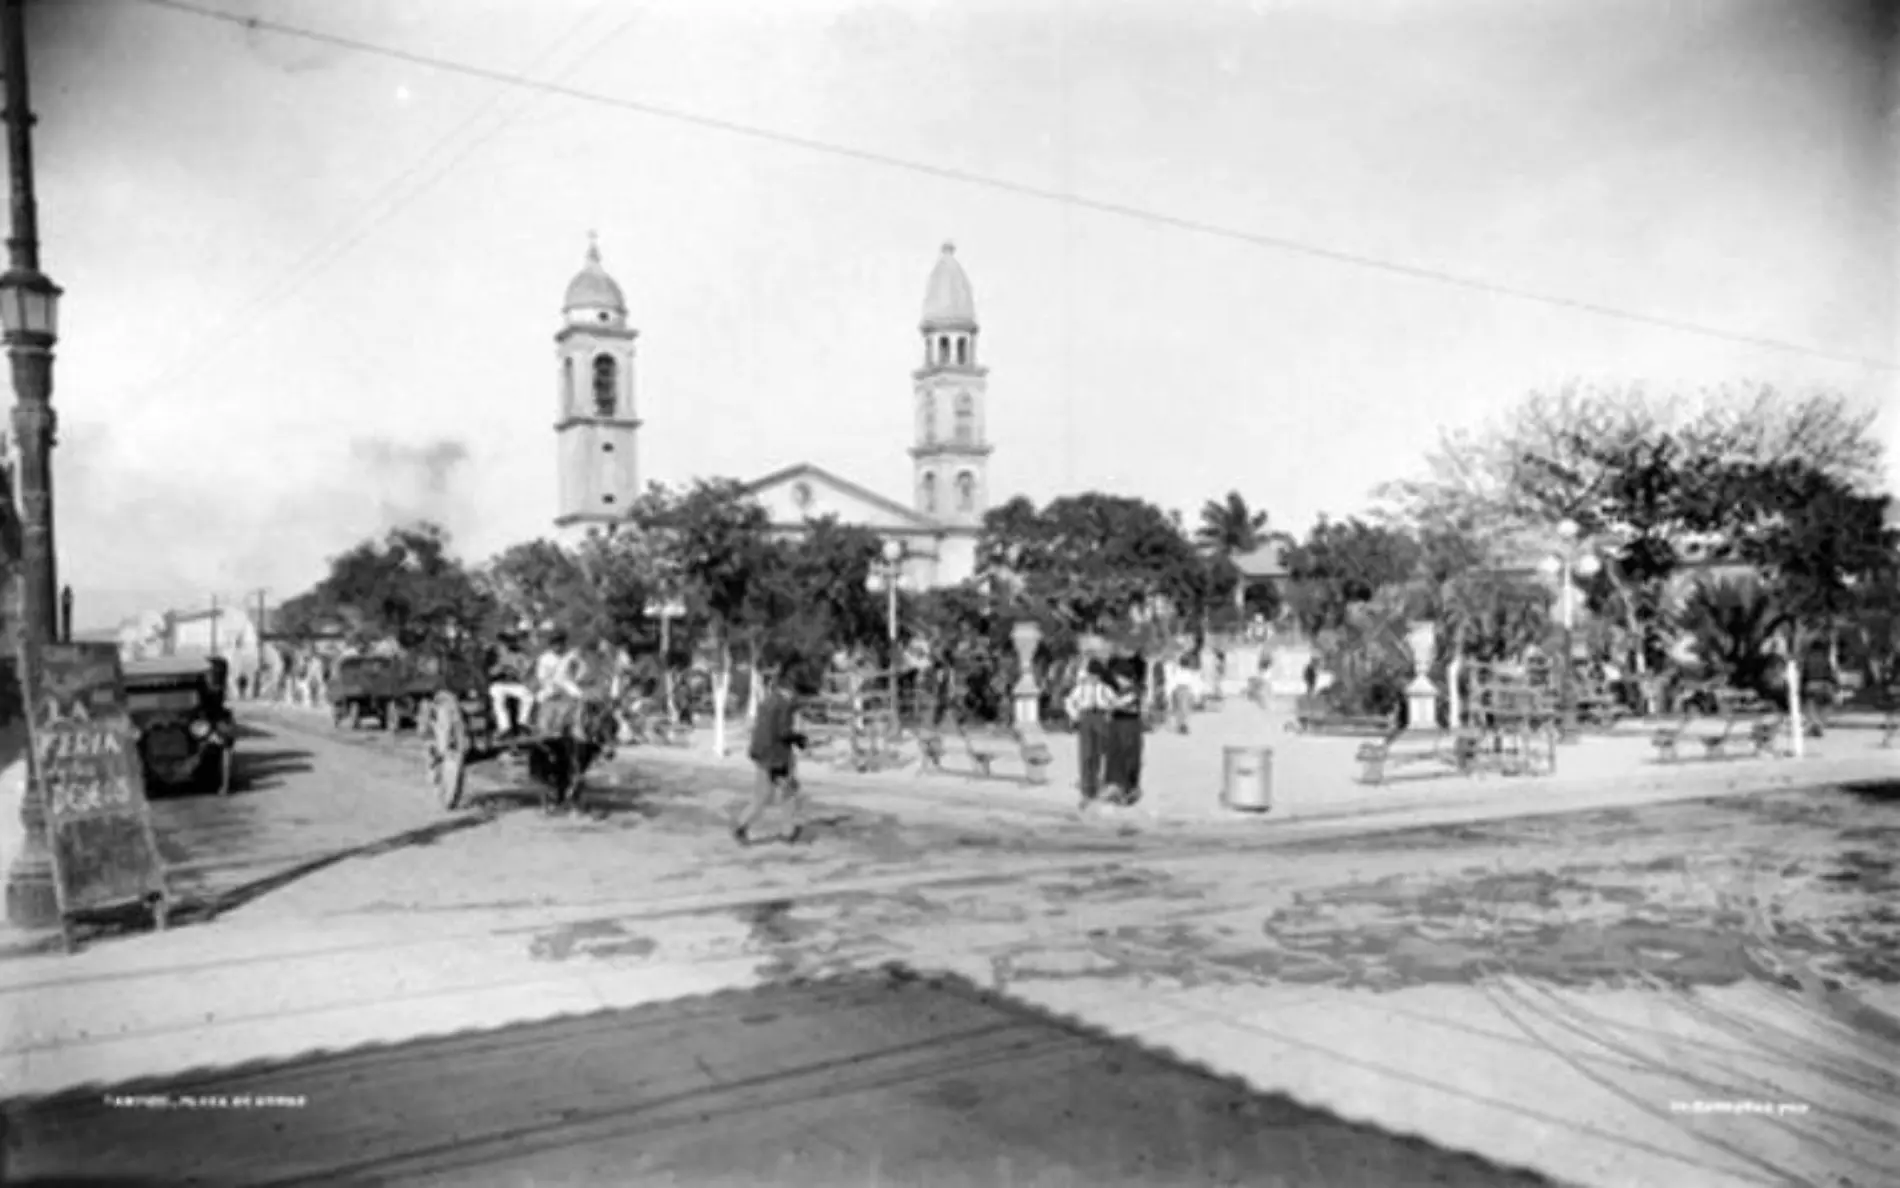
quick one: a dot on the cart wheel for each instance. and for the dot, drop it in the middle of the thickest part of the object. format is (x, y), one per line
(448, 751)
(352, 716)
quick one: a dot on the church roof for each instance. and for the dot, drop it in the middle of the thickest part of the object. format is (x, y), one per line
(948, 302)
(591, 287)
(805, 470)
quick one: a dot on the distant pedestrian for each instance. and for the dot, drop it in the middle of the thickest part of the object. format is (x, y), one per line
(1088, 705)
(775, 738)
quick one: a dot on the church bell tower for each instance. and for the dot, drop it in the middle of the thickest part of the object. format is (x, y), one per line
(595, 429)
(952, 450)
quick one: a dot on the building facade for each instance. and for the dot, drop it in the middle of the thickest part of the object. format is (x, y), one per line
(950, 451)
(597, 432)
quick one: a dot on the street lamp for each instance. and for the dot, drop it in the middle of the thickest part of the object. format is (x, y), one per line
(29, 315)
(887, 573)
(666, 610)
(1573, 557)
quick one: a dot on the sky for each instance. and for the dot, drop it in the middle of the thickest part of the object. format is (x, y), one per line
(311, 290)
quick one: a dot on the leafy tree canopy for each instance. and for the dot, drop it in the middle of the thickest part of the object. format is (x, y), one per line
(1344, 563)
(1091, 561)
(406, 586)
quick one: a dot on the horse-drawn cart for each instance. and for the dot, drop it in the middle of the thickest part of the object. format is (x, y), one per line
(568, 738)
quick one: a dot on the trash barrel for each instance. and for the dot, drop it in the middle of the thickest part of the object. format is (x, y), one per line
(1247, 779)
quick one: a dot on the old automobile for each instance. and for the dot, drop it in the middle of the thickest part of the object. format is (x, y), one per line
(186, 732)
(395, 690)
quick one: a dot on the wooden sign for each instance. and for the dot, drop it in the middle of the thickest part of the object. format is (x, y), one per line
(85, 763)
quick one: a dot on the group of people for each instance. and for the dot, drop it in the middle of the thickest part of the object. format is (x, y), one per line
(520, 691)
(1106, 706)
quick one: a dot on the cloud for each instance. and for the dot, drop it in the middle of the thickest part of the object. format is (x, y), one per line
(176, 533)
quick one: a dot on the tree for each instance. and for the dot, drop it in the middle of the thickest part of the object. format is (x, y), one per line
(1092, 561)
(1646, 479)
(406, 587)
(1344, 563)
(813, 595)
(1733, 621)
(535, 582)
(716, 541)
(1824, 550)
(1483, 613)
(1229, 529)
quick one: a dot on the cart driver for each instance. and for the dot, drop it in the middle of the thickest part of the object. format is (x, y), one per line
(508, 688)
(558, 673)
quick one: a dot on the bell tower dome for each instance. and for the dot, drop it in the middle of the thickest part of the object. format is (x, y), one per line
(595, 426)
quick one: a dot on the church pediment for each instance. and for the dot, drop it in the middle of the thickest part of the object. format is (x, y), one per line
(807, 492)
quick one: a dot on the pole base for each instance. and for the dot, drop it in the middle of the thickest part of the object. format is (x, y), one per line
(31, 900)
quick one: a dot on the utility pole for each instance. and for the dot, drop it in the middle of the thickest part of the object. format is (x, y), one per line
(29, 308)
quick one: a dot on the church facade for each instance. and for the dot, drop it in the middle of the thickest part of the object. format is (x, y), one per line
(936, 527)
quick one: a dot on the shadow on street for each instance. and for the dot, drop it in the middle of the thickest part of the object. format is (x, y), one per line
(878, 1077)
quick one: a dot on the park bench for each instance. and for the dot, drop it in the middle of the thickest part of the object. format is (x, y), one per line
(1760, 731)
(1764, 730)
(1036, 758)
(1713, 744)
(981, 759)
(1666, 739)
(929, 752)
(651, 728)
(1313, 716)
(1459, 751)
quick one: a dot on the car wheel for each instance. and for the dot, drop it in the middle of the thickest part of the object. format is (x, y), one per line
(214, 777)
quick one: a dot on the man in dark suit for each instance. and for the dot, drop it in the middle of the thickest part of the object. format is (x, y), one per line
(1127, 675)
(775, 738)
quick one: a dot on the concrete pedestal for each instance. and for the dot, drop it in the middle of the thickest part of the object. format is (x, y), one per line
(1028, 714)
(1421, 705)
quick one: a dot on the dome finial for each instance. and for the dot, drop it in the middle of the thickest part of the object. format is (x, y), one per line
(593, 247)
(949, 248)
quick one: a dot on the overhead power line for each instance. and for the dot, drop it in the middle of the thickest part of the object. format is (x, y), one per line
(968, 177)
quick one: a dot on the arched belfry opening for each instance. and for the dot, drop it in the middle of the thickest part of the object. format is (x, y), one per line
(606, 385)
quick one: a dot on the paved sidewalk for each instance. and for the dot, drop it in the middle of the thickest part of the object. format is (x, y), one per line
(1315, 780)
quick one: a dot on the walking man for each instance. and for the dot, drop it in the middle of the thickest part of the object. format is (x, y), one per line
(775, 735)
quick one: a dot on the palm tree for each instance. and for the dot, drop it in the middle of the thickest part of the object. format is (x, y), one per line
(1230, 529)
